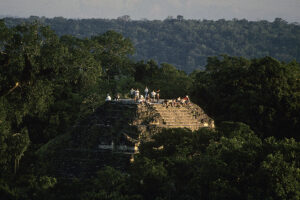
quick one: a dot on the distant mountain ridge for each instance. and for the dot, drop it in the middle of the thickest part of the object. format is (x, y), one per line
(187, 43)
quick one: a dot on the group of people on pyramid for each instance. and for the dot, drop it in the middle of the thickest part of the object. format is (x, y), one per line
(149, 97)
(177, 102)
(152, 97)
(108, 97)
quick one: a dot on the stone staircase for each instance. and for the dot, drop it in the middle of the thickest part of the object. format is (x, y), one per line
(188, 116)
(112, 134)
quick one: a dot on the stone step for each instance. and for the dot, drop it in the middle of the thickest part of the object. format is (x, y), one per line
(173, 111)
(178, 126)
(192, 127)
(189, 124)
(180, 118)
(181, 121)
(175, 114)
(170, 108)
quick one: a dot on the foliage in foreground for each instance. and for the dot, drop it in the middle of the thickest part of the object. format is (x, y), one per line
(263, 93)
(228, 163)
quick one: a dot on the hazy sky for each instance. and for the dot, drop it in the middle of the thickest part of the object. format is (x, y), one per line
(155, 9)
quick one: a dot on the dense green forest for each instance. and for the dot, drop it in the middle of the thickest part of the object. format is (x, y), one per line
(187, 43)
(50, 82)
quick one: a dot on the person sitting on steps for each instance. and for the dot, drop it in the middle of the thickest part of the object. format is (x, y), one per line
(165, 103)
(173, 104)
(186, 100)
(178, 102)
(141, 100)
(147, 98)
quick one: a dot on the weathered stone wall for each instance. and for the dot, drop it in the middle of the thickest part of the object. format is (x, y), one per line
(188, 116)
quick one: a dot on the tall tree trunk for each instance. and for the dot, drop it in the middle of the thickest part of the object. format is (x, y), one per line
(15, 168)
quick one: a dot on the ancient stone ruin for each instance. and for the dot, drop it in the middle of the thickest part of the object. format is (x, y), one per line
(113, 133)
(122, 125)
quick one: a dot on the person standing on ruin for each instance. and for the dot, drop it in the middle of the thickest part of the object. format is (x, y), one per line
(132, 93)
(157, 95)
(117, 97)
(108, 98)
(153, 95)
(136, 95)
(146, 92)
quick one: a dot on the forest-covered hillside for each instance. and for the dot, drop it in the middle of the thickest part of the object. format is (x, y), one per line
(51, 83)
(187, 43)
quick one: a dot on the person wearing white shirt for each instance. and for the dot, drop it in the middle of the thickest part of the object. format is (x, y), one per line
(108, 98)
(137, 95)
(153, 94)
(146, 92)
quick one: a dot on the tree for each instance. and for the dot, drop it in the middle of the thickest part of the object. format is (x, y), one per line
(125, 18)
(171, 81)
(186, 43)
(260, 92)
(18, 144)
(179, 17)
(230, 162)
(114, 52)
